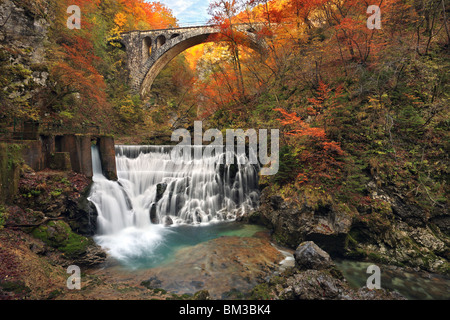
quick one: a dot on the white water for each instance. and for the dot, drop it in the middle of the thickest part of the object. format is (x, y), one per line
(132, 213)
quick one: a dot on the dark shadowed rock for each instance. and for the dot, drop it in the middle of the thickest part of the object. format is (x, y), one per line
(160, 189)
(326, 225)
(153, 214)
(309, 256)
(323, 285)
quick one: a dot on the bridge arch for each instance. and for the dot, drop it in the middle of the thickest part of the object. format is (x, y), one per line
(159, 47)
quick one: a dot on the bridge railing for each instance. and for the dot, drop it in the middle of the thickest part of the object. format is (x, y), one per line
(194, 25)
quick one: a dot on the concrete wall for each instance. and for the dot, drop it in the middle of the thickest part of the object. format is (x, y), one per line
(108, 157)
(33, 154)
(79, 149)
(70, 152)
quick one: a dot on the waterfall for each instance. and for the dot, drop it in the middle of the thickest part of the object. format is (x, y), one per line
(154, 190)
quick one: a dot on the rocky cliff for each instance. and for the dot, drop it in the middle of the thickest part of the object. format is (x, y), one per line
(24, 29)
(394, 232)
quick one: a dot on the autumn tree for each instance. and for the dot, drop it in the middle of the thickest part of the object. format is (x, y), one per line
(76, 87)
(223, 13)
(318, 157)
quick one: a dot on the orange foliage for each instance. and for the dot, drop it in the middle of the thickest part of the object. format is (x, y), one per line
(153, 15)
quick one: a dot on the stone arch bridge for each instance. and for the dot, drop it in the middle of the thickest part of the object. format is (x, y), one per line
(150, 51)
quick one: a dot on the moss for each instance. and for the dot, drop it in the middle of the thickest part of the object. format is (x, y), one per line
(444, 268)
(65, 181)
(3, 216)
(233, 294)
(350, 242)
(16, 287)
(201, 295)
(159, 290)
(10, 162)
(56, 193)
(356, 253)
(54, 294)
(283, 238)
(375, 257)
(261, 292)
(59, 235)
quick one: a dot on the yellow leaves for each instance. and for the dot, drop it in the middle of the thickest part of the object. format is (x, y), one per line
(120, 20)
(28, 112)
(194, 54)
(127, 112)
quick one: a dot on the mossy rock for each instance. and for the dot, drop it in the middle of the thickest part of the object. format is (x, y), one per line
(261, 292)
(201, 295)
(233, 294)
(59, 235)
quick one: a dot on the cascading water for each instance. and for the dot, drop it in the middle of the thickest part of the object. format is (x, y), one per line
(153, 191)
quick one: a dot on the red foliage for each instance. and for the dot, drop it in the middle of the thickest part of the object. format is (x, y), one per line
(319, 156)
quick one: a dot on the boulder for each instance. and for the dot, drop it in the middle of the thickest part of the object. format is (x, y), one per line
(309, 256)
(167, 221)
(327, 225)
(82, 214)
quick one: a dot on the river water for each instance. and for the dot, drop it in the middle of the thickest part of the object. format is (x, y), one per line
(193, 242)
(412, 285)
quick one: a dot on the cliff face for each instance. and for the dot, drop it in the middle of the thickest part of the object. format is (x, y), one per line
(387, 234)
(23, 28)
(24, 32)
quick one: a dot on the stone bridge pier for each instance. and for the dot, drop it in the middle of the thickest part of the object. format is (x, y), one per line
(150, 51)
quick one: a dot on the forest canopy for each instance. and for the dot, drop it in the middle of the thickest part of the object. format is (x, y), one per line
(345, 96)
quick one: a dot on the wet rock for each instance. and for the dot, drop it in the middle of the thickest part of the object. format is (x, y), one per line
(152, 283)
(202, 295)
(443, 223)
(380, 294)
(93, 256)
(167, 221)
(313, 285)
(153, 214)
(317, 285)
(292, 224)
(276, 202)
(160, 189)
(82, 214)
(413, 215)
(309, 256)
